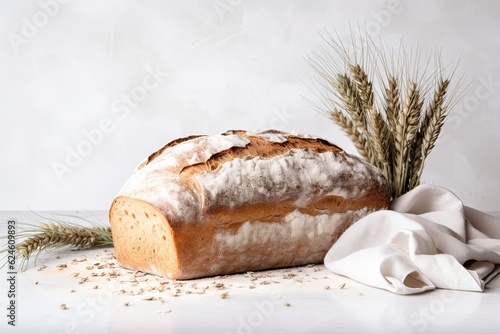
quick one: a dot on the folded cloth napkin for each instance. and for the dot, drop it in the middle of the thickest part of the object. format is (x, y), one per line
(428, 239)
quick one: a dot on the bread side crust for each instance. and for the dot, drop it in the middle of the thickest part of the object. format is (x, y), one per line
(144, 240)
(298, 239)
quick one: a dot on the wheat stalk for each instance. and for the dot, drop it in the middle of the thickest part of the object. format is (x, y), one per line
(430, 128)
(365, 86)
(400, 139)
(392, 104)
(352, 100)
(57, 233)
(353, 132)
(406, 130)
(381, 141)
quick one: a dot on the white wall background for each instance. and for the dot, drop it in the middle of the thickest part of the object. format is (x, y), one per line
(67, 67)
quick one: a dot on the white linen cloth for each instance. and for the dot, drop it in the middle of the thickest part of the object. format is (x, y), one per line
(428, 239)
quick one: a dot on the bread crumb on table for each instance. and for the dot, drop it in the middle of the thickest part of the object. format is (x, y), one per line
(163, 311)
(103, 272)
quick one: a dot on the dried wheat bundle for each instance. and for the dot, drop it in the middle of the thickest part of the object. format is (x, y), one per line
(390, 108)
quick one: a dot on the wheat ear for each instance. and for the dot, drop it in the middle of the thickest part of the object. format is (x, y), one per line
(351, 100)
(364, 85)
(412, 107)
(392, 104)
(53, 235)
(381, 140)
(430, 128)
(377, 133)
(57, 233)
(349, 128)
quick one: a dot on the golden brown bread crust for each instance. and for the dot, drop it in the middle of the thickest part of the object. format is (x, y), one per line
(239, 201)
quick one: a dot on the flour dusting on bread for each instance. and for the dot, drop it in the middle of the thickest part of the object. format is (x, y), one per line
(240, 201)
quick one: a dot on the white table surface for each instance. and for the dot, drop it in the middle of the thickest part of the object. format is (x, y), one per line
(313, 301)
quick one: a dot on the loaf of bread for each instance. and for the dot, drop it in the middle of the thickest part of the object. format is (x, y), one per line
(240, 201)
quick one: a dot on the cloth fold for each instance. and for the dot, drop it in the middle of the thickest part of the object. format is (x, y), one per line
(427, 240)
